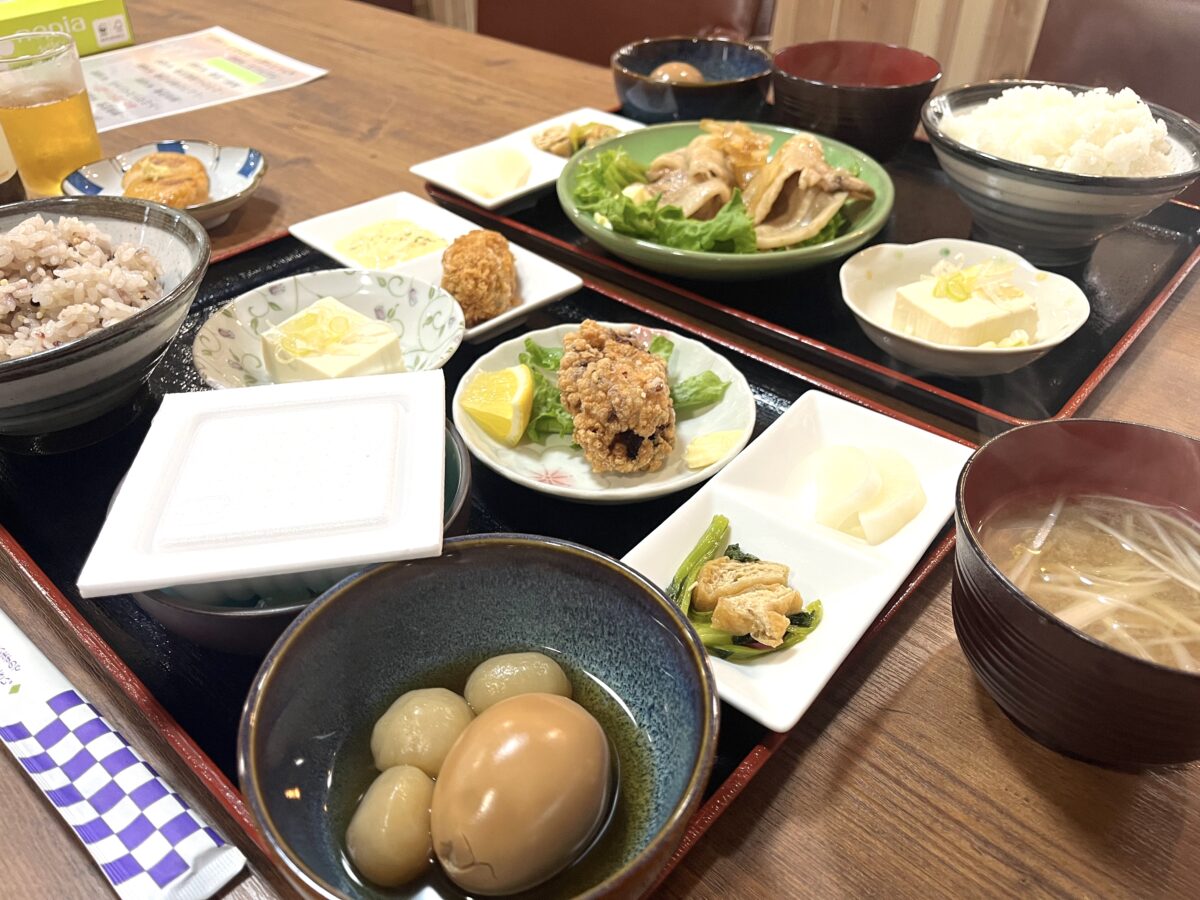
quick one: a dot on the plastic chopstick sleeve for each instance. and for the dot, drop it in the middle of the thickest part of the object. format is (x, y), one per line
(146, 840)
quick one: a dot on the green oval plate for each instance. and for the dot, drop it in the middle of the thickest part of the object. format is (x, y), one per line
(647, 143)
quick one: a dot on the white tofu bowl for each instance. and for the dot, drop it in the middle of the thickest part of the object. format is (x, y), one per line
(227, 350)
(870, 278)
(234, 174)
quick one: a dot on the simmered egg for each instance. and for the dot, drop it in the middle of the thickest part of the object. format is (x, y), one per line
(677, 73)
(521, 794)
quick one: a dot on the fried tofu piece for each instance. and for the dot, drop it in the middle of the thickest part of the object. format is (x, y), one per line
(618, 396)
(479, 271)
(759, 612)
(174, 179)
(724, 577)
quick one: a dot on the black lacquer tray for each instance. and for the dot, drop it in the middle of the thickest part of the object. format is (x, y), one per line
(53, 506)
(1131, 276)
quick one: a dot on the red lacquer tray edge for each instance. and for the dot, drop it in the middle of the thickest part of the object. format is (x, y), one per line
(453, 201)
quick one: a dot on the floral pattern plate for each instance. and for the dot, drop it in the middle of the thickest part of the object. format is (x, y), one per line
(227, 351)
(558, 469)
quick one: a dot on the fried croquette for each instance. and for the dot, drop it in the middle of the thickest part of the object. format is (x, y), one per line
(174, 179)
(478, 270)
(619, 397)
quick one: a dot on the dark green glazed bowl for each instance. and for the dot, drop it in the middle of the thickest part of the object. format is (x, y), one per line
(252, 630)
(302, 755)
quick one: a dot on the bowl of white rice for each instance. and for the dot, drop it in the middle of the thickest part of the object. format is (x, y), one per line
(92, 291)
(1049, 169)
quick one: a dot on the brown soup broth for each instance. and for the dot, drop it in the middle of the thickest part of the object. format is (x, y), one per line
(1122, 571)
(354, 770)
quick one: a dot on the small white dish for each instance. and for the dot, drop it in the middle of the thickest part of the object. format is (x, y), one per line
(544, 167)
(555, 468)
(760, 494)
(227, 350)
(234, 174)
(238, 490)
(870, 278)
(539, 281)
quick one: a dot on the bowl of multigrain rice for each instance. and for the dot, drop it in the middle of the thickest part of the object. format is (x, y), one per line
(1049, 169)
(92, 290)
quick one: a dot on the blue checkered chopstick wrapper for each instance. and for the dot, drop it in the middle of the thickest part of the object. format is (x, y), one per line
(144, 837)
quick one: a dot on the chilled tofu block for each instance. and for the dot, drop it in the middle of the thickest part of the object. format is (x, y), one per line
(960, 323)
(330, 340)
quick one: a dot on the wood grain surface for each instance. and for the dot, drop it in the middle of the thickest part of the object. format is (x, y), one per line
(904, 780)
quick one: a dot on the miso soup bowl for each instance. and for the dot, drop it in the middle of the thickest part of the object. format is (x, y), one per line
(1065, 689)
(303, 754)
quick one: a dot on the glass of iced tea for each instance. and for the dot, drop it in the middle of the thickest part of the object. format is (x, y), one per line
(44, 109)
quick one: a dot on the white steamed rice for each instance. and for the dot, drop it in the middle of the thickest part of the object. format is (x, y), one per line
(1092, 133)
(60, 281)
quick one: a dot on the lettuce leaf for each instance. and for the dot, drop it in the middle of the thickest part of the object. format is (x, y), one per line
(697, 392)
(662, 348)
(548, 416)
(597, 191)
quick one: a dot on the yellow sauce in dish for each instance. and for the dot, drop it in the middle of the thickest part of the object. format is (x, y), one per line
(384, 244)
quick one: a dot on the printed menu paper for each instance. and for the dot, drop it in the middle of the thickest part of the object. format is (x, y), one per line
(183, 73)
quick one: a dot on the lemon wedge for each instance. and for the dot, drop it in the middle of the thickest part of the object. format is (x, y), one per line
(707, 449)
(501, 402)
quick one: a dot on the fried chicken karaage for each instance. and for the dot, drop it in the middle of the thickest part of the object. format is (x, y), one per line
(619, 397)
(478, 270)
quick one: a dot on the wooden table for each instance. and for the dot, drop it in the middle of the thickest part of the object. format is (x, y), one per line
(904, 779)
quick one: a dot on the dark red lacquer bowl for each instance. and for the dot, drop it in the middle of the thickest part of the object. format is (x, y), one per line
(1067, 690)
(866, 94)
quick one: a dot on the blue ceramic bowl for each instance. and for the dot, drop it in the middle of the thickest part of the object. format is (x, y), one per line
(304, 755)
(737, 78)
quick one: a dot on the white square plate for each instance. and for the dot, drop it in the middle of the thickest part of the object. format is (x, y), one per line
(275, 480)
(544, 167)
(758, 492)
(539, 281)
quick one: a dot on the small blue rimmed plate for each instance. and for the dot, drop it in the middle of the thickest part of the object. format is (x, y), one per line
(234, 173)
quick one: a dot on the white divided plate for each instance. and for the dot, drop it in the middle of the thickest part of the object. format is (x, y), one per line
(544, 167)
(231, 486)
(559, 470)
(853, 580)
(539, 281)
(870, 278)
(234, 173)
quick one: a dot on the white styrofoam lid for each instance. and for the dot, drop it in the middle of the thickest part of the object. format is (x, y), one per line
(278, 479)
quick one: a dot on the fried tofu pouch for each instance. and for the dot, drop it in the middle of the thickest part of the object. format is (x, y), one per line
(173, 179)
(760, 612)
(747, 598)
(724, 577)
(618, 395)
(479, 271)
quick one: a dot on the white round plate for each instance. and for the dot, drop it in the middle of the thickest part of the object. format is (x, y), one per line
(564, 472)
(227, 351)
(870, 279)
(234, 174)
